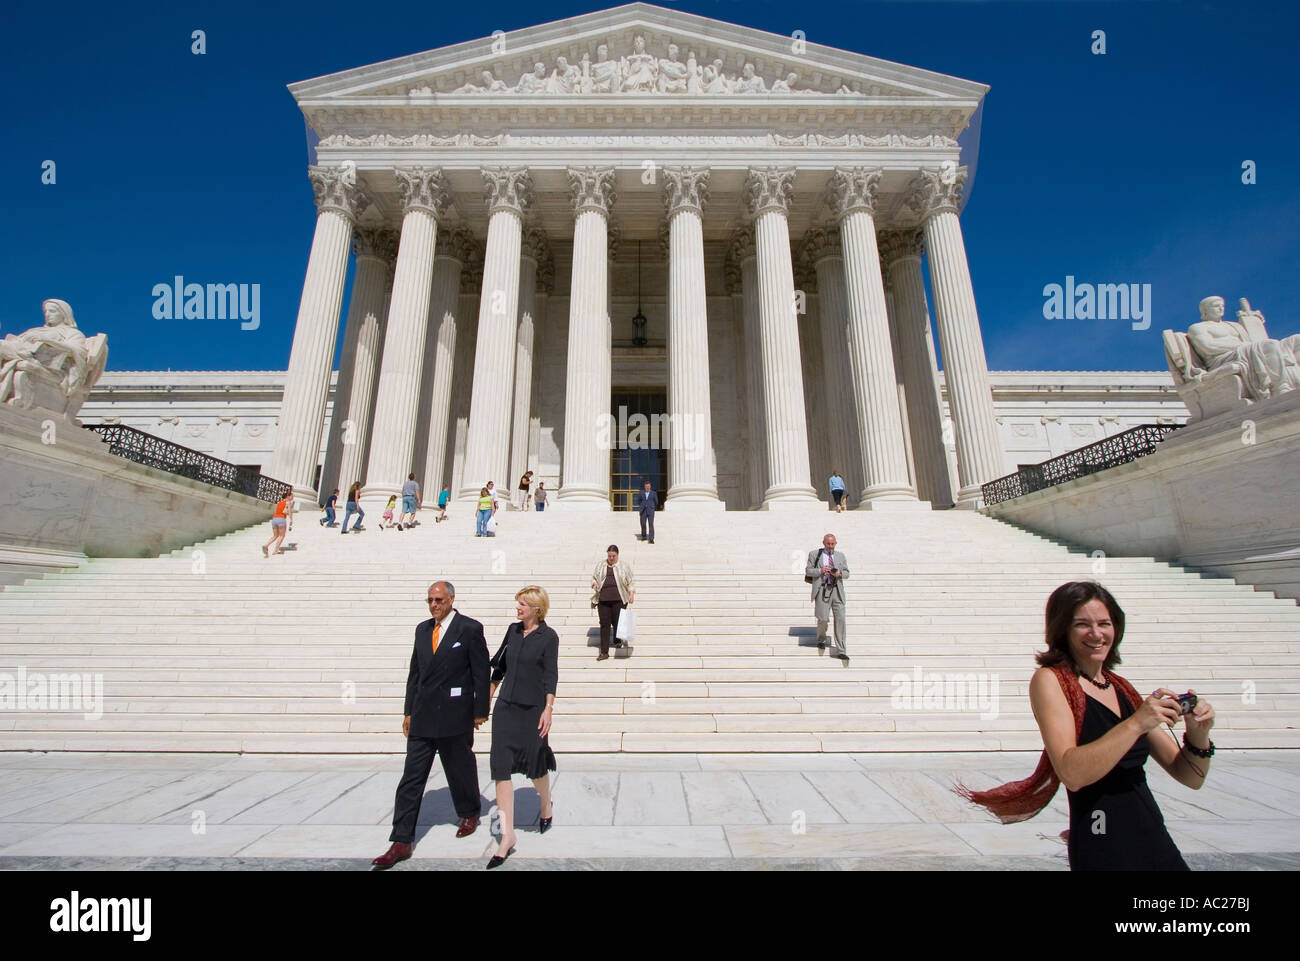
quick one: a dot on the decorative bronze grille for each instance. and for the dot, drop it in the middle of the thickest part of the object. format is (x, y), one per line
(153, 451)
(1111, 452)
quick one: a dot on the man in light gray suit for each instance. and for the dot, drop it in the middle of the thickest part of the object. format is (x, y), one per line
(826, 570)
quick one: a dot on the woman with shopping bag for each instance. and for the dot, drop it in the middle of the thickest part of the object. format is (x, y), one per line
(612, 591)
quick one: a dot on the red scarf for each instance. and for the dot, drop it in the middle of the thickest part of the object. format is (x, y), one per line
(1021, 800)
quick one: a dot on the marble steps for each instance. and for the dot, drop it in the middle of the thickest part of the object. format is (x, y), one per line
(252, 654)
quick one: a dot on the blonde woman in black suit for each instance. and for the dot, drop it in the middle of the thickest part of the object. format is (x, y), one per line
(525, 671)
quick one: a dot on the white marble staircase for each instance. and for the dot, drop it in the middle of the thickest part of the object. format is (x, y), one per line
(217, 649)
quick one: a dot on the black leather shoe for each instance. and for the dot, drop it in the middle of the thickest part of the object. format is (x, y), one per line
(496, 862)
(544, 825)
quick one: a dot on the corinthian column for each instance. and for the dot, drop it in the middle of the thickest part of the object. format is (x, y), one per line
(935, 195)
(690, 461)
(453, 251)
(768, 192)
(900, 254)
(822, 248)
(536, 251)
(376, 250)
(424, 197)
(587, 391)
(509, 193)
(307, 382)
(742, 264)
(851, 195)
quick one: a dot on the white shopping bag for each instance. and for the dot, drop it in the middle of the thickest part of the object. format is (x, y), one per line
(492, 524)
(626, 630)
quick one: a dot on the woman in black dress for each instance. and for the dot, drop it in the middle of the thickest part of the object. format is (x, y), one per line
(1097, 733)
(526, 668)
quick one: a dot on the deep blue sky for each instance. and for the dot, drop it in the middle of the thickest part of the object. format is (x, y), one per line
(1117, 168)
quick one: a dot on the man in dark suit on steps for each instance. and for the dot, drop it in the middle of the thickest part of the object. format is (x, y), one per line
(447, 694)
(649, 502)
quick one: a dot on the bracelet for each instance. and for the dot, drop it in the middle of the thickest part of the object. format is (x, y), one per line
(1196, 751)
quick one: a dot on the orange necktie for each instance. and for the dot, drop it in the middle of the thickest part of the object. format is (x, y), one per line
(437, 629)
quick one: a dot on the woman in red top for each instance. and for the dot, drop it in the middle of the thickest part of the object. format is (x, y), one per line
(280, 522)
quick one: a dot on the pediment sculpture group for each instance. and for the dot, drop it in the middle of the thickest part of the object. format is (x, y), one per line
(638, 72)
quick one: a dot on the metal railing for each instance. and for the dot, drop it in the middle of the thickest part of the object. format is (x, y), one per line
(1111, 452)
(153, 451)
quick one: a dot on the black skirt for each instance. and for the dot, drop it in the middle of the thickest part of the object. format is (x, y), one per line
(516, 747)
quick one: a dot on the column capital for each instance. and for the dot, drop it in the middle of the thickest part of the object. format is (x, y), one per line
(507, 188)
(822, 243)
(422, 188)
(894, 245)
(456, 243)
(592, 189)
(685, 188)
(853, 189)
(936, 190)
(377, 242)
(769, 189)
(335, 187)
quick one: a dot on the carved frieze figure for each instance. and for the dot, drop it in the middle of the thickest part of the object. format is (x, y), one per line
(638, 68)
(604, 72)
(1267, 367)
(51, 367)
(786, 85)
(672, 72)
(564, 78)
(534, 82)
(694, 75)
(750, 82)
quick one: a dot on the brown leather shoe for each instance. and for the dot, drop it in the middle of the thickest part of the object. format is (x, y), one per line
(467, 827)
(398, 852)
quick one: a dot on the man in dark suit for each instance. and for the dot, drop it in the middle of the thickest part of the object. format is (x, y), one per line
(447, 694)
(648, 504)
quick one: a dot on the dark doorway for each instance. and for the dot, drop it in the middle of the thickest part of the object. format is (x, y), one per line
(638, 447)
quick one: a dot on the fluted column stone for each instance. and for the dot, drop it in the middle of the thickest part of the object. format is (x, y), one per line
(587, 430)
(509, 193)
(768, 192)
(822, 247)
(376, 252)
(424, 198)
(535, 253)
(851, 195)
(690, 460)
(900, 253)
(935, 195)
(452, 253)
(311, 359)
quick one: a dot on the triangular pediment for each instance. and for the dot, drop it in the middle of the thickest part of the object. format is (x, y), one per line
(633, 52)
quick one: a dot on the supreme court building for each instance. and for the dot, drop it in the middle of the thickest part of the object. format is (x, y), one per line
(641, 244)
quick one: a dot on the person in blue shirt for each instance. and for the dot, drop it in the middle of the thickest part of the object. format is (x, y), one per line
(837, 490)
(442, 505)
(329, 519)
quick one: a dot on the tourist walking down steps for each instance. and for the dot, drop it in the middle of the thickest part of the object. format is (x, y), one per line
(525, 675)
(612, 591)
(826, 570)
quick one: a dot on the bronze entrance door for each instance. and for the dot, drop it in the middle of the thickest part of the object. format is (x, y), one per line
(638, 447)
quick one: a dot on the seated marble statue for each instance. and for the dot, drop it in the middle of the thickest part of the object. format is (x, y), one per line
(1267, 367)
(51, 367)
